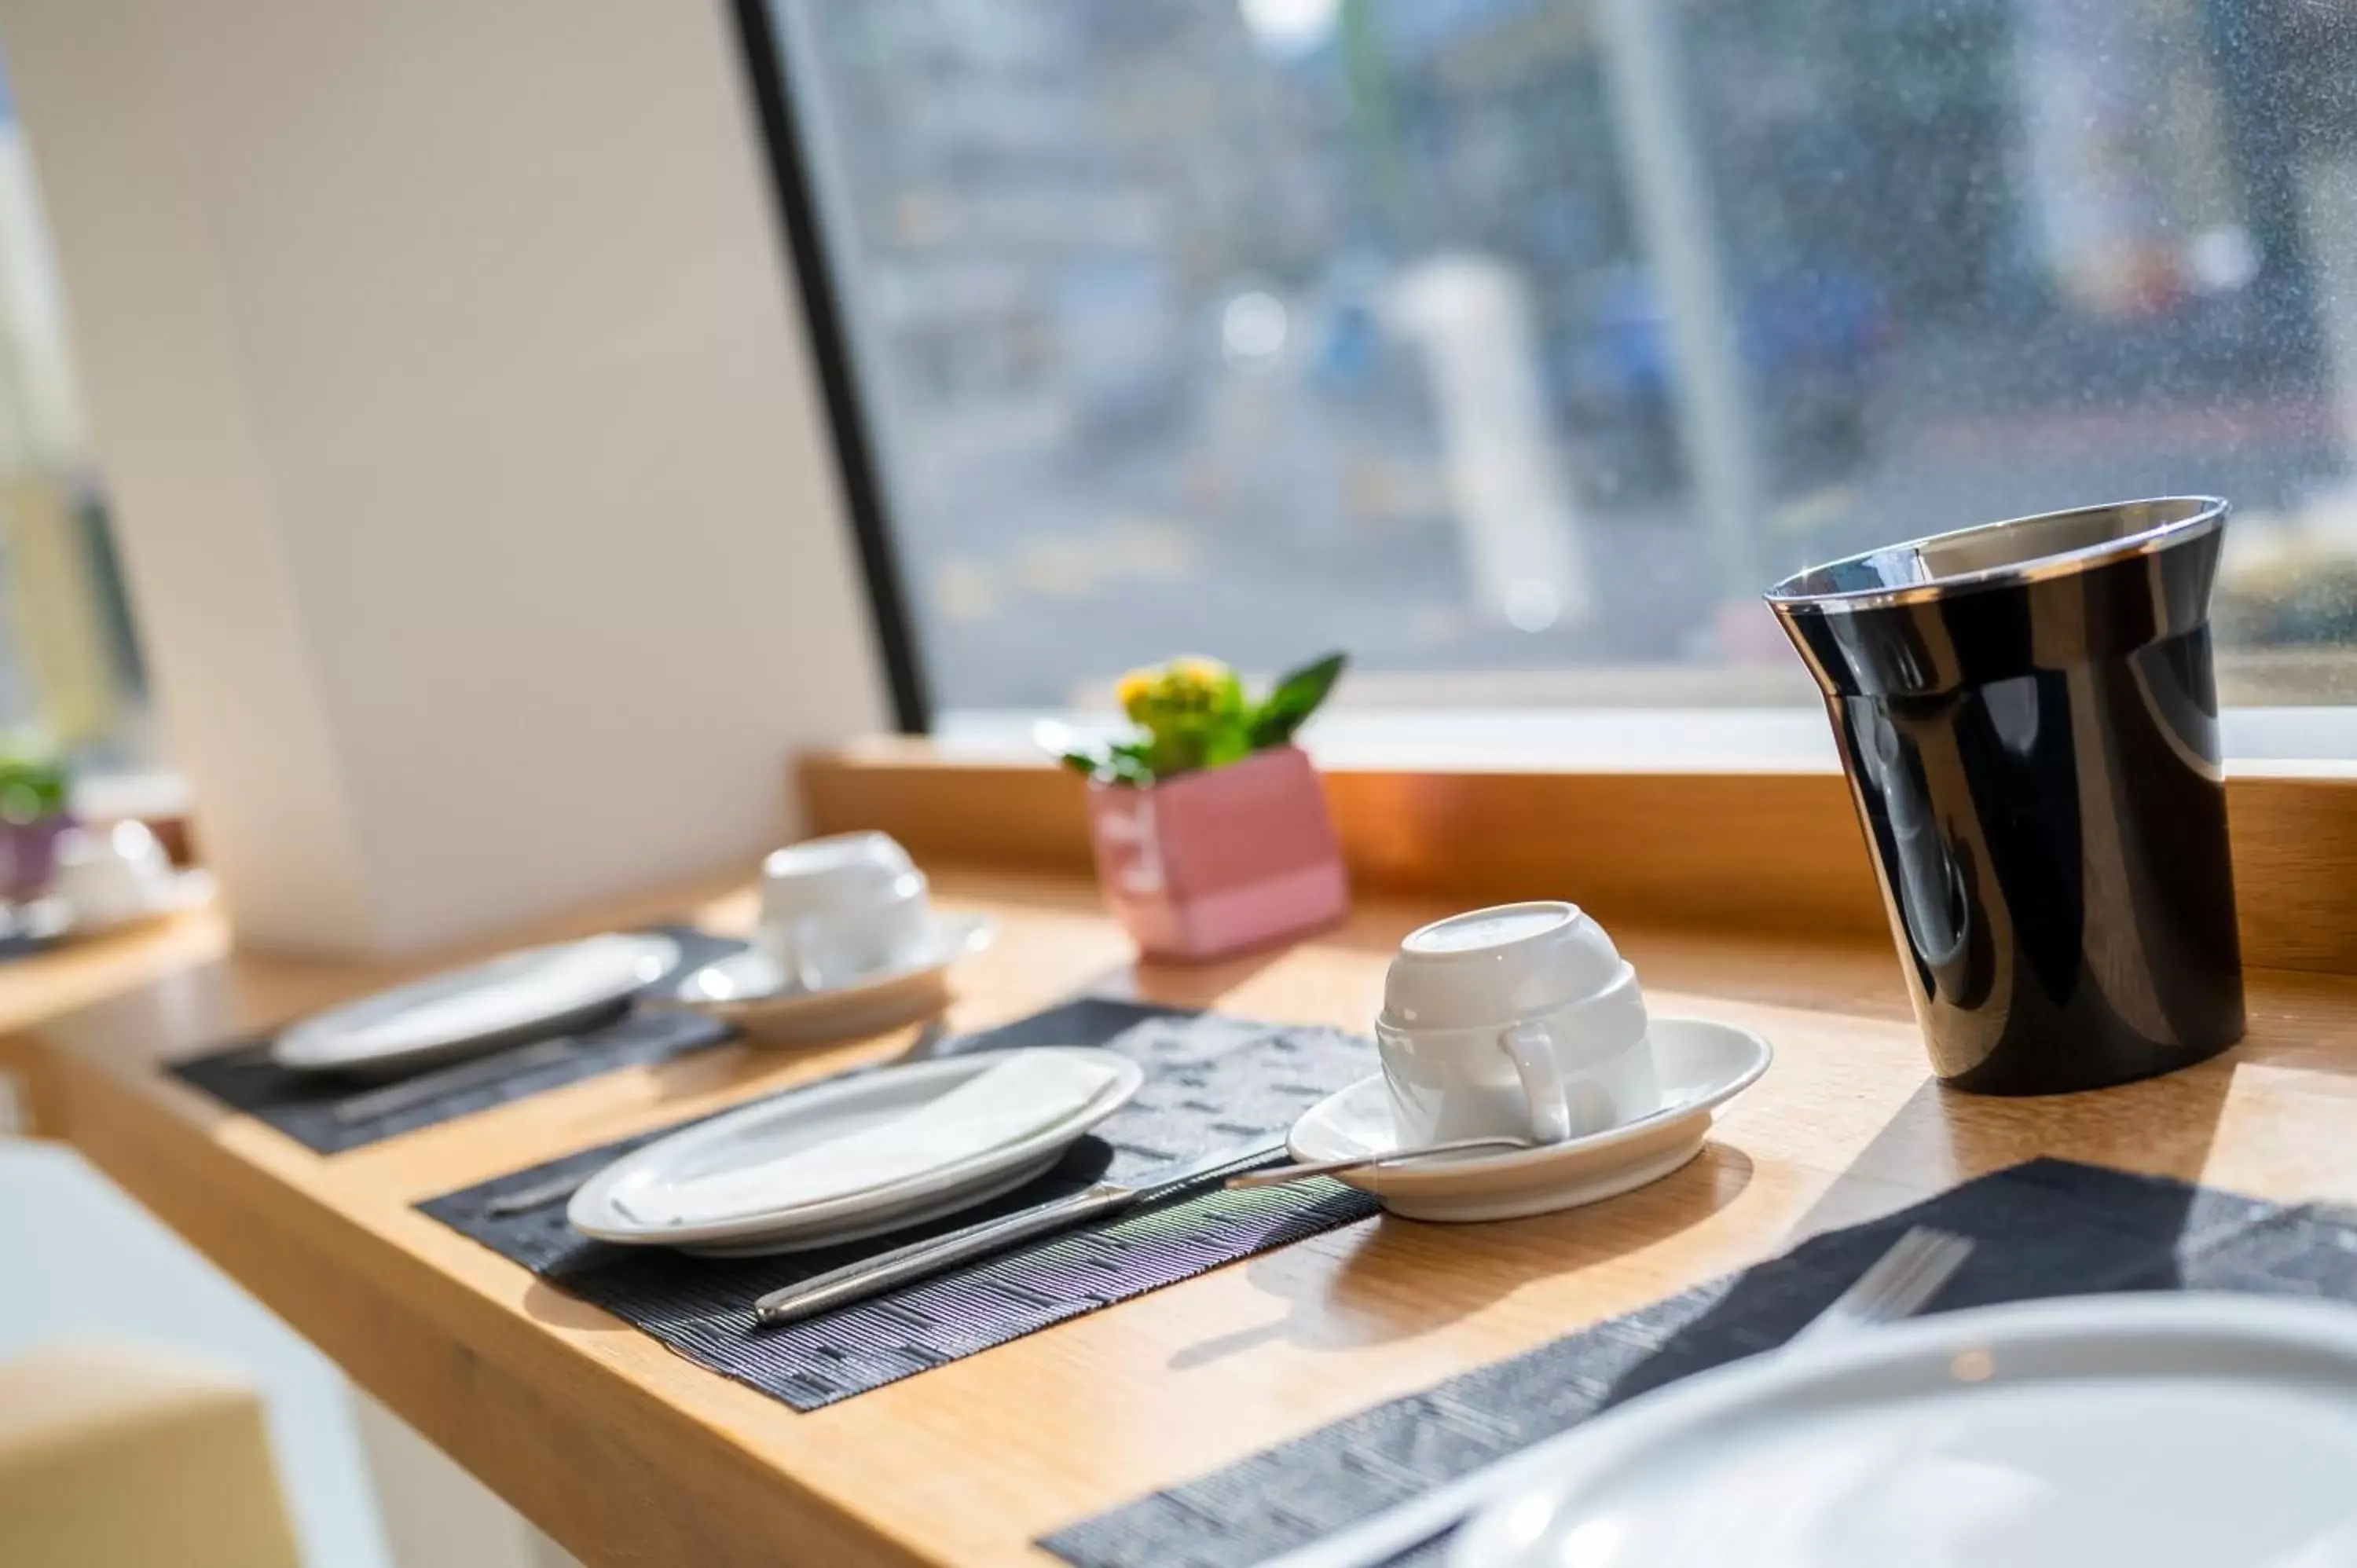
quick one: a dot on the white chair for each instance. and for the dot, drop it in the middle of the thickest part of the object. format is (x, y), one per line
(116, 1456)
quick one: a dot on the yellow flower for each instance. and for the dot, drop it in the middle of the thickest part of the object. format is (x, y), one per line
(1192, 713)
(1133, 690)
(1194, 670)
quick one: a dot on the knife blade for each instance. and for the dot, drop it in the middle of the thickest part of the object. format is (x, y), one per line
(410, 1093)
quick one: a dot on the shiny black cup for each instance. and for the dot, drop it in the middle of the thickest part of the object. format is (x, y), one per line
(2029, 722)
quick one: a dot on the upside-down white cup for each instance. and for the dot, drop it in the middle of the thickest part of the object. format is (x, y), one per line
(110, 876)
(836, 908)
(1521, 1021)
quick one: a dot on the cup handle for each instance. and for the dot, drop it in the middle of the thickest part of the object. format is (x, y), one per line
(794, 954)
(1543, 1085)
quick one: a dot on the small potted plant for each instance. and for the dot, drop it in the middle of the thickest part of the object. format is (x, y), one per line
(33, 816)
(1209, 823)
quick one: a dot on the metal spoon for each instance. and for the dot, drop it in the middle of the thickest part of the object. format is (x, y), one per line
(1277, 1176)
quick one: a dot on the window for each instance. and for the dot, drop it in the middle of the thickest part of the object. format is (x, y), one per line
(70, 672)
(1515, 345)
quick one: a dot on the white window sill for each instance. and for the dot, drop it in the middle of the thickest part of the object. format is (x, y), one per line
(2320, 742)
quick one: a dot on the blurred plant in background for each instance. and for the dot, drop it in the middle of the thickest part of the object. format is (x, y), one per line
(1192, 713)
(35, 788)
(33, 785)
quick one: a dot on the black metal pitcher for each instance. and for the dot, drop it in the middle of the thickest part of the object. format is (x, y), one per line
(2029, 718)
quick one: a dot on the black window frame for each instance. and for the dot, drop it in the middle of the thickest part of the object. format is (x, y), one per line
(797, 211)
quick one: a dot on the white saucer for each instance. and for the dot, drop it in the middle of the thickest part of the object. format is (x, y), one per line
(1702, 1063)
(750, 991)
(544, 989)
(2193, 1431)
(825, 1113)
(53, 918)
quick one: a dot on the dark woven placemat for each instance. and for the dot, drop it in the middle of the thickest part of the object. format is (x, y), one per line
(21, 944)
(1211, 1083)
(302, 1104)
(2044, 1228)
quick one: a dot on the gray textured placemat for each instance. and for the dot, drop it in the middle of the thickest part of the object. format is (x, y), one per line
(1211, 1083)
(302, 1104)
(2046, 1228)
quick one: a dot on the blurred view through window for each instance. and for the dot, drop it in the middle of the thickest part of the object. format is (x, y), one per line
(70, 673)
(1515, 345)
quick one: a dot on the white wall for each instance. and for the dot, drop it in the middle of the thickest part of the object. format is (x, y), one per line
(470, 476)
(471, 485)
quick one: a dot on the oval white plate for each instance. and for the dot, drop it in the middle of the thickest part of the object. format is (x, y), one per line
(821, 1114)
(2200, 1431)
(747, 989)
(541, 990)
(1702, 1063)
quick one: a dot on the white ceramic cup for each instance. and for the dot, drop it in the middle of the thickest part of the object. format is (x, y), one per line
(837, 908)
(1522, 1020)
(111, 875)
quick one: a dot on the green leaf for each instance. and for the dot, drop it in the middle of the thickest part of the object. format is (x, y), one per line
(31, 789)
(1084, 763)
(1174, 751)
(1233, 744)
(1293, 699)
(1126, 763)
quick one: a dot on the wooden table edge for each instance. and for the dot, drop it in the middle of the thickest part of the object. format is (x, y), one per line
(503, 1372)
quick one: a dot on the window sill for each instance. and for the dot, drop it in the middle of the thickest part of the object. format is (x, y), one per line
(2304, 742)
(1746, 846)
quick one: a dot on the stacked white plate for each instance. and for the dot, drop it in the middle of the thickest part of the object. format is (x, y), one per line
(539, 991)
(857, 1156)
(2163, 1431)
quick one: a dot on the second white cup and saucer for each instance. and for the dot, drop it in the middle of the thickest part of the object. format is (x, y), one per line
(1524, 1020)
(111, 878)
(848, 942)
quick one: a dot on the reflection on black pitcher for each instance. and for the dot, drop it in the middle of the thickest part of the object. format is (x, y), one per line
(2028, 719)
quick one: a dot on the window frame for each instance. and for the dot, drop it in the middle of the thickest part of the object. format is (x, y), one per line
(768, 69)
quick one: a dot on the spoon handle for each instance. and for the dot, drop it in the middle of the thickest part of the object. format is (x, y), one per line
(1276, 1176)
(921, 1260)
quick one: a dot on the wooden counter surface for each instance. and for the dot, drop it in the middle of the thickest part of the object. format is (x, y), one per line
(627, 1455)
(36, 988)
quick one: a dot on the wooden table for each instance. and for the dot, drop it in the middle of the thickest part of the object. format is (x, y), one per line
(39, 987)
(627, 1455)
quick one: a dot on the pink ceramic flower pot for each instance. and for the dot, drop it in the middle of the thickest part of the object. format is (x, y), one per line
(1216, 861)
(29, 855)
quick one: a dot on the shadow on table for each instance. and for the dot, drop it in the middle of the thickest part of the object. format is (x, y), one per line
(2068, 1195)
(1940, 1137)
(1457, 1270)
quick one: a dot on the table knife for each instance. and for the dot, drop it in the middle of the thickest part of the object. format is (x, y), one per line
(539, 1195)
(917, 1260)
(410, 1093)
